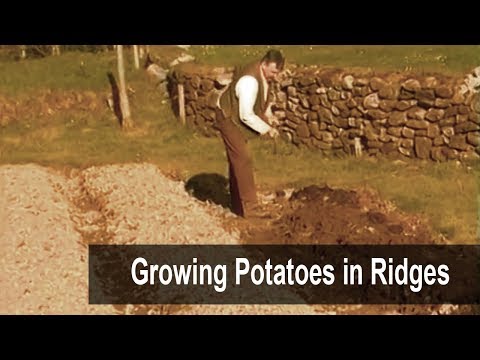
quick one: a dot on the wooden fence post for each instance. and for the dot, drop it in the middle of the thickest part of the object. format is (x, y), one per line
(181, 103)
(358, 147)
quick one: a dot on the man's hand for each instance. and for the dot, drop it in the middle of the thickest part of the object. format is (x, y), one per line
(272, 120)
(273, 133)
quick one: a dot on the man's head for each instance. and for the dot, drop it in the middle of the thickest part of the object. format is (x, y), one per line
(272, 63)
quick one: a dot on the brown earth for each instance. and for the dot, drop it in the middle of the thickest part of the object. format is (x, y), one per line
(322, 215)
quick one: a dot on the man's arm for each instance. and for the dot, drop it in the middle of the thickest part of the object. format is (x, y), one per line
(269, 117)
(247, 90)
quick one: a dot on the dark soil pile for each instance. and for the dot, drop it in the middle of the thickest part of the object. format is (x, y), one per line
(322, 215)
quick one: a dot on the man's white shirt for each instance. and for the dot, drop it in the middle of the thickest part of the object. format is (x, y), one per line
(246, 91)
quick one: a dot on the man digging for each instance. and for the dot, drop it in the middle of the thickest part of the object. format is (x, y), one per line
(242, 115)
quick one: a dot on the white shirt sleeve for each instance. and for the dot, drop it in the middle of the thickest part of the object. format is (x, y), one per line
(246, 91)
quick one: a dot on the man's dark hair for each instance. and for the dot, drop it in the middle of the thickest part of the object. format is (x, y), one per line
(276, 57)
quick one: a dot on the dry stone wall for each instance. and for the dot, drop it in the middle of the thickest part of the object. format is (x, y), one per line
(348, 112)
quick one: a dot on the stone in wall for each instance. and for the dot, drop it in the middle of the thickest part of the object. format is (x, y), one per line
(417, 113)
(440, 153)
(466, 127)
(351, 103)
(348, 82)
(387, 105)
(403, 105)
(314, 100)
(389, 91)
(444, 92)
(405, 152)
(325, 115)
(315, 130)
(439, 140)
(442, 103)
(327, 136)
(433, 130)
(321, 144)
(423, 146)
(408, 133)
(451, 111)
(303, 130)
(474, 117)
(458, 98)
(411, 85)
(370, 132)
(429, 82)
(461, 118)
(395, 131)
(407, 143)
(371, 101)
(397, 118)
(447, 122)
(448, 131)
(425, 98)
(473, 138)
(377, 83)
(459, 142)
(434, 114)
(361, 81)
(389, 148)
(406, 95)
(417, 124)
(476, 103)
(376, 114)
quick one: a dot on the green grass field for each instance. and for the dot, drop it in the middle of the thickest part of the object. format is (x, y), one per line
(454, 60)
(446, 194)
(81, 70)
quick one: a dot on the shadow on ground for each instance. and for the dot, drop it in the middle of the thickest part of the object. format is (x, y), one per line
(210, 187)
